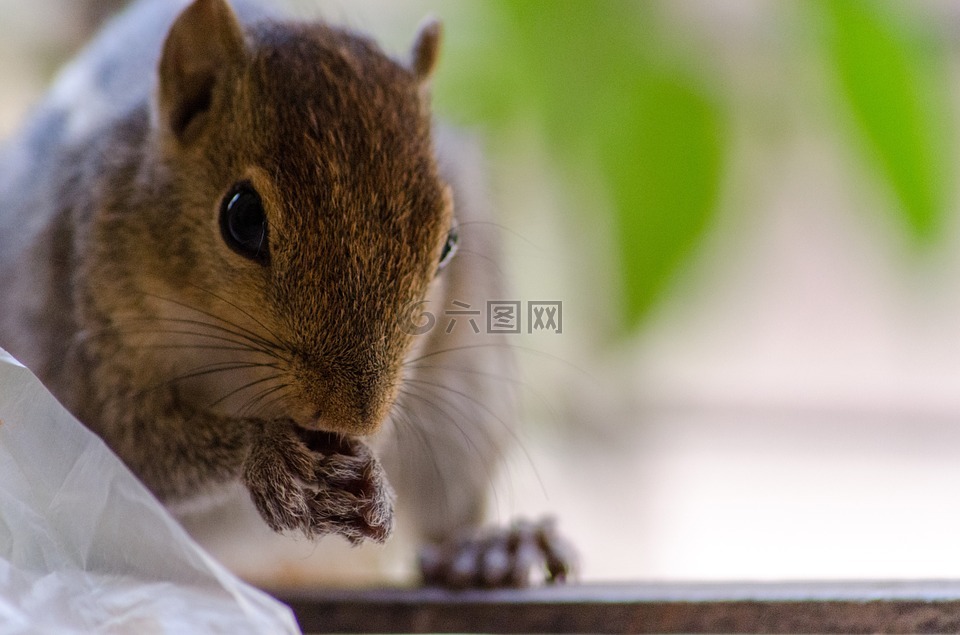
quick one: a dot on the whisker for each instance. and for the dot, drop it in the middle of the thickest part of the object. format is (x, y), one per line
(404, 420)
(257, 400)
(244, 387)
(506, 426)
(518, 383)
(466, 396)
(468, 371)
(237, 349)
(453, 421)
(514, 347)
(501, 227)
(201, 334)
(266, 328)
(256, 337)
(463, 251)
(201, 371)
(224, 334)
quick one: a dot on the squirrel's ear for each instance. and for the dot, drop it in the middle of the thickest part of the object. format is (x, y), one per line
(426, 49)
(203, 41)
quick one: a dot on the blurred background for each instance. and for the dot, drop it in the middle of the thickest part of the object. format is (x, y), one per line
(748, 211)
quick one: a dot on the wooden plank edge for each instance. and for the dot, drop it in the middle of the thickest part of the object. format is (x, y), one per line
(795, 607)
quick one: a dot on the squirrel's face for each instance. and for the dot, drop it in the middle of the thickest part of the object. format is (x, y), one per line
(298, 161)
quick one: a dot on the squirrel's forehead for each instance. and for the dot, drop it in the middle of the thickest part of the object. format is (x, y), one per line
(327, 65)
(330, 107)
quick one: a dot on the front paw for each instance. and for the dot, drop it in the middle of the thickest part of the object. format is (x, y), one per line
(318, 483)
(500, 557)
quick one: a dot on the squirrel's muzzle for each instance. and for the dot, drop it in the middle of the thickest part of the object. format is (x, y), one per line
(343, 402)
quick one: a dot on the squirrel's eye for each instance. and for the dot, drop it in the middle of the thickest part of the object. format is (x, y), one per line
(243, 223)
(449, 248)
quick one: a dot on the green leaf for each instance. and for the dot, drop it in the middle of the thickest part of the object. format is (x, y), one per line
(897, 98)
(594, 73)
(664, 158)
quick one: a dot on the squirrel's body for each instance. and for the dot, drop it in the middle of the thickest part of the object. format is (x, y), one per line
(207, 348)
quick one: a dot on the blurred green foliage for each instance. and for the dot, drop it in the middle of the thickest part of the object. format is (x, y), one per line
(603, 91)
(611, 85)
(895, 87)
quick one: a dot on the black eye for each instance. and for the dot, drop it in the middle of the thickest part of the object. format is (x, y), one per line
(449, 248)
(243, 224)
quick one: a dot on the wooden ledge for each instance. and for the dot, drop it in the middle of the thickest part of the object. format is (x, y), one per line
(828, 607)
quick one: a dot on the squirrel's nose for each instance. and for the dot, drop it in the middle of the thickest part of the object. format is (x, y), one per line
(346, 410)
(345, 400)
(350, 421)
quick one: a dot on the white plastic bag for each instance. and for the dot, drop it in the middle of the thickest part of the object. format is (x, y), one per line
(85, 548)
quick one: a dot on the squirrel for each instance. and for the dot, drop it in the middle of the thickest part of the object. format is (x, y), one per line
(219, 233)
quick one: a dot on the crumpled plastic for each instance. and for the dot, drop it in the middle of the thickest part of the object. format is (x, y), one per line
(86, 548)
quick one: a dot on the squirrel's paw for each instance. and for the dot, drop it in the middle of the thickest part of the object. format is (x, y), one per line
(318, 483)
(511, 556)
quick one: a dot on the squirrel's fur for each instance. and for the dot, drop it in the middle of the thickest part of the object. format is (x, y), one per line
(199, 366)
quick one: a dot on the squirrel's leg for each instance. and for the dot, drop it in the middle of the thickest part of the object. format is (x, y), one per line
(456, 415)
(452, 427)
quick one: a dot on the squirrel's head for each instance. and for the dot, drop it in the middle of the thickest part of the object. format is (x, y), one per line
(297, 213)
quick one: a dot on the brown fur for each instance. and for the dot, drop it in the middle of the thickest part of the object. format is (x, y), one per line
(335, 138)
(200, 367)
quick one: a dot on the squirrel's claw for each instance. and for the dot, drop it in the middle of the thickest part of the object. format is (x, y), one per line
(503, 557)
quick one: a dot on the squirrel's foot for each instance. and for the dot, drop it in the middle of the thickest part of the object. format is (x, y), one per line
(318, 483)
(511, 556)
